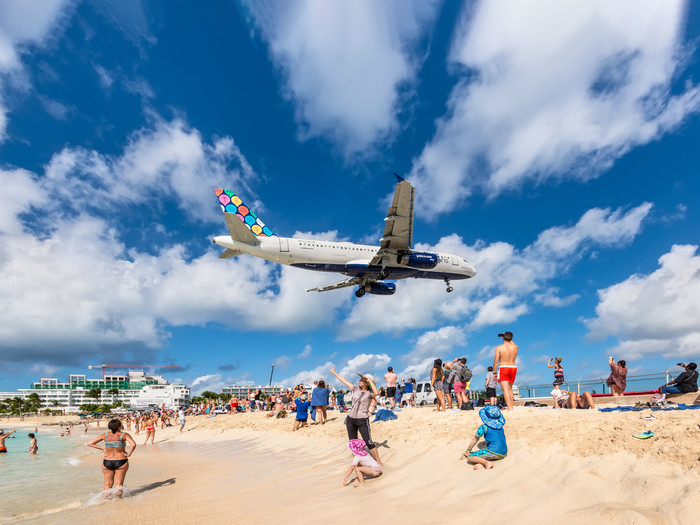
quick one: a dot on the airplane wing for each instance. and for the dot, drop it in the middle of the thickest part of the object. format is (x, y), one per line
(398, 225)
(342, 284)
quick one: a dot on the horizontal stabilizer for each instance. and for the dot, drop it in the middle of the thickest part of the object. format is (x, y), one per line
(230, 253)
(239, 231)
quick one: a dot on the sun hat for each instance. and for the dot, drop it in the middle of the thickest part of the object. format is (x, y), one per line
(369, 377)
(492, 417)
(357, 447)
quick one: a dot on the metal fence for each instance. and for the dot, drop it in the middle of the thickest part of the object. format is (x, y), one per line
(650, 381)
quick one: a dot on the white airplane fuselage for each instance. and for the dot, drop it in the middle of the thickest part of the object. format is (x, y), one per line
(346, 258)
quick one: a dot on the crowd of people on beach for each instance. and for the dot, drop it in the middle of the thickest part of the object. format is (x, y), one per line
(450, 381)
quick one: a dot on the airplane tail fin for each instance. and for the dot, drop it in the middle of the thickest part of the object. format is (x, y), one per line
(243, 224)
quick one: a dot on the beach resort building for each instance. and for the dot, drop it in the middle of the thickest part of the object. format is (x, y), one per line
(134, 390)
(241, 391)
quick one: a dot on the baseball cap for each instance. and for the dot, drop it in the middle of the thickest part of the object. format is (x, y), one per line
(506, 335)
(390, 369)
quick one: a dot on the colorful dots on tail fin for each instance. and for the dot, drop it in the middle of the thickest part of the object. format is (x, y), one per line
(231, 203)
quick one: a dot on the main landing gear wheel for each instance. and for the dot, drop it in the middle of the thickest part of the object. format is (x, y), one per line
(359, 292)
(449, 288)
(383, 273)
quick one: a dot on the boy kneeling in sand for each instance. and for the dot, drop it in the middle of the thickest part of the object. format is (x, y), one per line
(362, 462)
(302, 405)
(492, 432)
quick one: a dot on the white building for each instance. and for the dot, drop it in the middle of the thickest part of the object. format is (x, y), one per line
(132, 390)
(166, 396)
(242, 391)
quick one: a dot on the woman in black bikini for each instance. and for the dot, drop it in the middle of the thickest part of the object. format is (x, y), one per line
(116, 460)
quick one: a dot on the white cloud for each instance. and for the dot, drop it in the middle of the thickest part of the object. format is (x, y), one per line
(363, 363)
(210, 382)
(436, 344)
(167, 160)
(22, 25)
(45, 370)
(505, 280)
(550, 297)
(105, 77)
(305, 353)
(656, 313)
(345, 64)
(97, 293)
(554, 90)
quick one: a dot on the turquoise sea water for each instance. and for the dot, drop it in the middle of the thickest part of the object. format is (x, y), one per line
(47, 482)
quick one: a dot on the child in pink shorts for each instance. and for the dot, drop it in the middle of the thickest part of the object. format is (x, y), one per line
(362, 462)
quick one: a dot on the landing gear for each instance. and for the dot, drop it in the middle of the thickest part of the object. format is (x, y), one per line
(360, 291)
(449, 288)
(383, 273)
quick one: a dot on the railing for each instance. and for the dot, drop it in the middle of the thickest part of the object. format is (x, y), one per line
(650, 381)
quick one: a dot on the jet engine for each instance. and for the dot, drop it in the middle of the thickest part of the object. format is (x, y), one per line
(422, 260)
(376, 288)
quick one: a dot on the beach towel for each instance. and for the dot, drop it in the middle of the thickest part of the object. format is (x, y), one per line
(312, 413)
(384, 415)
(680, 406)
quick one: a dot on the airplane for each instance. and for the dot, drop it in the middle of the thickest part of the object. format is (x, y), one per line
(368, 267)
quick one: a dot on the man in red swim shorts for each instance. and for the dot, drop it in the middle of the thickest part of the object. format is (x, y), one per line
(505, 355)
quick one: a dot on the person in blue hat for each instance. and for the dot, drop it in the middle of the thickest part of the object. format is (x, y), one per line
(492, 432)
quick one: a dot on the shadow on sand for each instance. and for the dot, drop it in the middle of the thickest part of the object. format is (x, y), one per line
(152, 486)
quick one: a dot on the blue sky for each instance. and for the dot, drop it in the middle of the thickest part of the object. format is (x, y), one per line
(552, 144)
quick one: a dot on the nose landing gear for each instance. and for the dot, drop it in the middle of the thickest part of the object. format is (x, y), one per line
(449, 288)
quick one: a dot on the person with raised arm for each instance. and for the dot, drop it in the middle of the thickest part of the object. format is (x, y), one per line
(358, 417)
(617, 380)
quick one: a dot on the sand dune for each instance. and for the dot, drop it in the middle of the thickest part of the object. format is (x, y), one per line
(579, 466)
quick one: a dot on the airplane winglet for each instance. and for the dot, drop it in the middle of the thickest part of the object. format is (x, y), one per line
(399, 177)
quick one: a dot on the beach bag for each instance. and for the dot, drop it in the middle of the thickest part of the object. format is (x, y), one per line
(467, 406)
(465, 375)
(482, 402)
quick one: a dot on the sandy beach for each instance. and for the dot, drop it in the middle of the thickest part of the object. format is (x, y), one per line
(581, 466)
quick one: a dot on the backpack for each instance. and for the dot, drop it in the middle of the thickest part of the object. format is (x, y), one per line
(465, 374)
(469, 405)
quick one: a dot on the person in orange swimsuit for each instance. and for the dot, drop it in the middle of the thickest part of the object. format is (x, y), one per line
(3, 449)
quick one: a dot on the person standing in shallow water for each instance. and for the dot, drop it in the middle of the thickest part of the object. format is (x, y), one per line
(116, 459)
(3, 448)
(33, 446)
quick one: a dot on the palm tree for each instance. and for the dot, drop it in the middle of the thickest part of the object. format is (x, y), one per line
(16, 404)
(208, 394)
(32, 402)
(94, 393)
